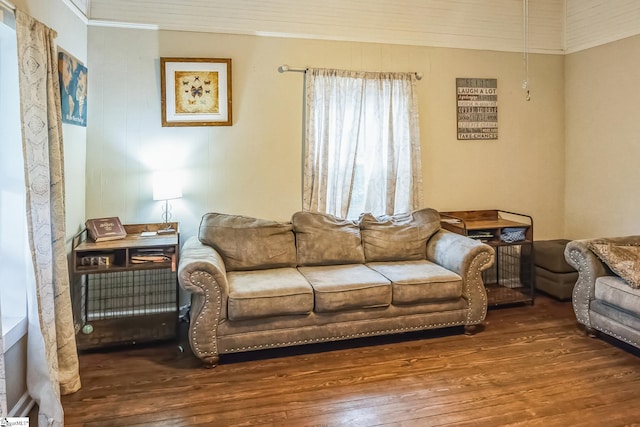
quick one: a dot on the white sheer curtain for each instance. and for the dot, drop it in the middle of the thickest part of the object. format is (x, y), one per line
(52, 359)
(362, 143)
(7, 46)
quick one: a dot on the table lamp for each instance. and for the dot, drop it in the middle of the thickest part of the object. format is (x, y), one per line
(166, 187)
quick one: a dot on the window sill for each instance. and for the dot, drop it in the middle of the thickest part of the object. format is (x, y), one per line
(13, 329)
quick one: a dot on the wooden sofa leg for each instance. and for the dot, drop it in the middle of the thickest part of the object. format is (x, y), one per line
(590, 332)
(470, 329)
(211, 361)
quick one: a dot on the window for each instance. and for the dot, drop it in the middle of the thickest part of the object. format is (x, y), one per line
(15, 258)
(362, 143)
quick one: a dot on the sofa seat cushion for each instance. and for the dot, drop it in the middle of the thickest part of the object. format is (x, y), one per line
(612, 290)
(266, 293)
(247, 243)
(323, 239)
(347, 287)
(414, 282)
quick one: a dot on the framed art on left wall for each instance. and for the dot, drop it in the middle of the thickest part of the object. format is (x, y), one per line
(196, 91)
(72, 75)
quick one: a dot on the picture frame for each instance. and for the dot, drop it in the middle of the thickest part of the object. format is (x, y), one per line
(477, 108)
(72, 76)
(196, 91)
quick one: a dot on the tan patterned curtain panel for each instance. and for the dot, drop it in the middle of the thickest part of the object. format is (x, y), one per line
(52, 356)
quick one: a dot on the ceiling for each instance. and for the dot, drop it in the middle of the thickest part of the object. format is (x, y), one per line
(555, 26)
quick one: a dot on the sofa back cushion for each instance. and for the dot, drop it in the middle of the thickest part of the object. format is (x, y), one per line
(323, 239)
(249, 243)
(400, 237)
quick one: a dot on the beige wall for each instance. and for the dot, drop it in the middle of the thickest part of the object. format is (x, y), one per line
(254, 166)
(603, 141)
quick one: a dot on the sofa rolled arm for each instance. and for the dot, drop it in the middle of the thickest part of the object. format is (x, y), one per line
(589, 267)
(468, 258)
(201, 271)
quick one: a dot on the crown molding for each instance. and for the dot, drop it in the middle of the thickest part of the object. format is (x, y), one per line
(116, 24)
(7, 4)
(75, 9)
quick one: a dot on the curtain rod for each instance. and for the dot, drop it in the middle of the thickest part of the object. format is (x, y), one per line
(285, 68)
(8, 4)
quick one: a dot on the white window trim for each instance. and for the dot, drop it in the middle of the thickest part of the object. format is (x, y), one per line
(14, 323)
(13, 329)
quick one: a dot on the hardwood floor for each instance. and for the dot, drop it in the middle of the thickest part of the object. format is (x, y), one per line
(529, 366)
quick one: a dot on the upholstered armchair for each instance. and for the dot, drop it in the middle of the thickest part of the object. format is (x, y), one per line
(606, 296)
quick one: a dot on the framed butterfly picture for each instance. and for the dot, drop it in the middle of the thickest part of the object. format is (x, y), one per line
(196, 91)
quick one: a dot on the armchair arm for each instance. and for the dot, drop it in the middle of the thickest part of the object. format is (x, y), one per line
(201, 271)
(468, 258)
(589, 267)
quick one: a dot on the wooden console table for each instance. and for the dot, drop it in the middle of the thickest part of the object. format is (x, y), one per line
(125, 291)
(511, 278)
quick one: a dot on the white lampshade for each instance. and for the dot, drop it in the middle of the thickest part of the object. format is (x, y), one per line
(166, 185)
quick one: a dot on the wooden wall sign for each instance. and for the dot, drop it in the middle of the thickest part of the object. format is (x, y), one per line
(477, 103)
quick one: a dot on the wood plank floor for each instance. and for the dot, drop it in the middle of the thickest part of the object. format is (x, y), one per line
(529, 366)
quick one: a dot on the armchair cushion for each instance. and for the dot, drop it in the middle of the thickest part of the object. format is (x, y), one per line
(614, 291)
(622, 259)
